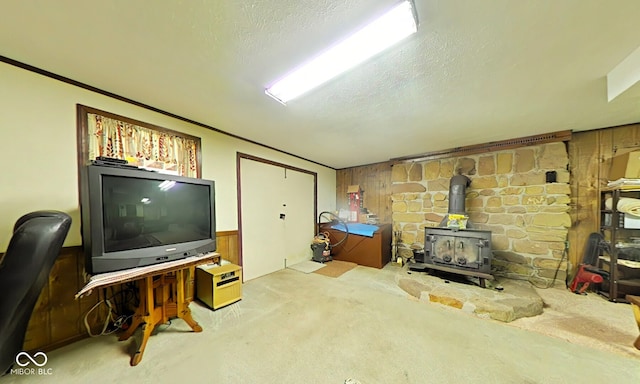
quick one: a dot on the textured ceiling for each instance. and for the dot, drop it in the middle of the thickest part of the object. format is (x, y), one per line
(476, 71)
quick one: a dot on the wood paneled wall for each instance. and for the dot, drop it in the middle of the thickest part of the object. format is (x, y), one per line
(227, 246)
(590, 156)
(58, 318)
(375, 181)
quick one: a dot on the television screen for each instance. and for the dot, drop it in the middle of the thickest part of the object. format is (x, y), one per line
(133, 217)
(141, 213)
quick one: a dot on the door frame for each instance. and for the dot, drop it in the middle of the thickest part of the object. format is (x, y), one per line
(239, 157)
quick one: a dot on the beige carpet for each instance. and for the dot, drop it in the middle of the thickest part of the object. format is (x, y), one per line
(335, 268)
(292, 327)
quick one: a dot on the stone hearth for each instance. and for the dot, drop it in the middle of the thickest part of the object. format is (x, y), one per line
(516, 299)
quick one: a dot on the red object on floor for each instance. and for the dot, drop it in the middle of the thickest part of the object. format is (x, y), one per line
(585, 277)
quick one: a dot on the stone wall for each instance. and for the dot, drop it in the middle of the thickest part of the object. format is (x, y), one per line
(509, 196)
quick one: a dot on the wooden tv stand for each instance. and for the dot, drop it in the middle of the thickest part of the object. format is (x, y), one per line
(162, 296)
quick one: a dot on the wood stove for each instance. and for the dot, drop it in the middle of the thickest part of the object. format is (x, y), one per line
(461, 251)
(455, 249)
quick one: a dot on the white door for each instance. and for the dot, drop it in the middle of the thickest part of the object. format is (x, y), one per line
(277, 217)
(299, 223)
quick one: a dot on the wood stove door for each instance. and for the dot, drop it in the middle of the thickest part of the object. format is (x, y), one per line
(466, 252)
(445, 248)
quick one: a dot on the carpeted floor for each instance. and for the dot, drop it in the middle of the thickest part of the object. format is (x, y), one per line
(293, 327)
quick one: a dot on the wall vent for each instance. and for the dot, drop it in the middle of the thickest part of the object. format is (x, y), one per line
(490, 147)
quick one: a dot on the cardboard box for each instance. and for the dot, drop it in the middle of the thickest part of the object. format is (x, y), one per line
(625, 166)
(354, 189)
(218, 286)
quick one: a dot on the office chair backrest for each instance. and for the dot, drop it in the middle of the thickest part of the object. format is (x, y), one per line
(24, 270)
(595, 246)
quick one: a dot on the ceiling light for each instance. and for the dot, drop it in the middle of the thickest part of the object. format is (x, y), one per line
(624, 75)
(390, 28)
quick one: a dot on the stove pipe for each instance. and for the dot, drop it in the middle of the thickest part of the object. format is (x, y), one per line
(457, 193)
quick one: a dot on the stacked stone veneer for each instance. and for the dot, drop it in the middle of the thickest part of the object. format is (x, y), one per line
(509, 196)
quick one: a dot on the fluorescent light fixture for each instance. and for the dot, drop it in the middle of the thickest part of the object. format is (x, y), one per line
(624, 76)
(390, 28)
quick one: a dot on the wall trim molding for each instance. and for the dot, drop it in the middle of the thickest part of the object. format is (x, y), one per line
(227, 233)
(491, 146)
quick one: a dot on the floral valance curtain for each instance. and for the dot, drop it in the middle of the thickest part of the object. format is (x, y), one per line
(163, 150)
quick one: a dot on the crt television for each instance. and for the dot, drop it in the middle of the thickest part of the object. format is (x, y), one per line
(132, 217)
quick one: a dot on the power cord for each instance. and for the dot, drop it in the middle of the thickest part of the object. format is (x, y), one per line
(119, 322)
(126, 299)
(109, 318)
(334, 217)
(553, 281)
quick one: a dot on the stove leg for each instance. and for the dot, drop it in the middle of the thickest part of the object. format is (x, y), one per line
(482, 283)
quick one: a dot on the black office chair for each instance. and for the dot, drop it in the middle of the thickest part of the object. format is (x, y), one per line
(24, 270)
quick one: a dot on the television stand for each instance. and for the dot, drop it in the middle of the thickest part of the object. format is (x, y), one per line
(162, 295)
(168, 287)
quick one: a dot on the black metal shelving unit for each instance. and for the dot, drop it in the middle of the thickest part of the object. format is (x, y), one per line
(623, 239)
